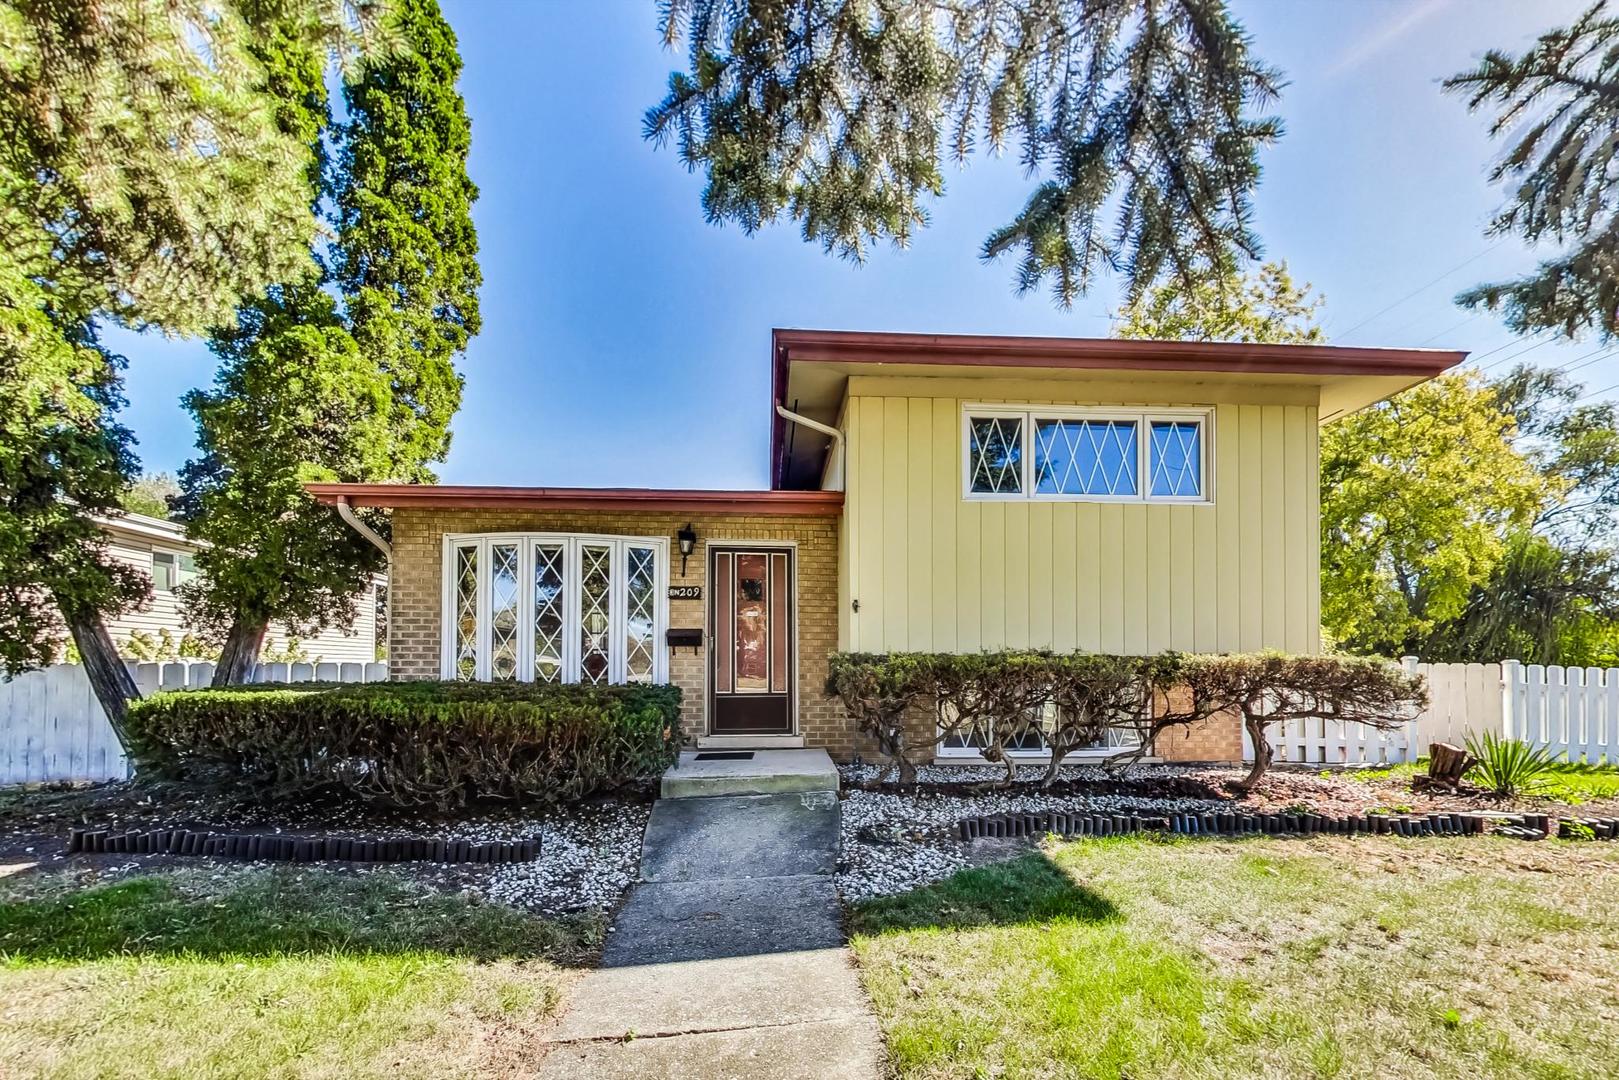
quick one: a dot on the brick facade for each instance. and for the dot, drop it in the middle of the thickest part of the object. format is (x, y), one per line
(415, 624)
(1218, 738)
(416, 595)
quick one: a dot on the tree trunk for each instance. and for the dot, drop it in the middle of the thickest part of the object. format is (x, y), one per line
(240, 652)
(1447, 764)
(109, 678)
(1262, 752)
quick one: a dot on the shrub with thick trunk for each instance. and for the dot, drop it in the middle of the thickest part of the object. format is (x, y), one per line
(437, 744)
(998, 700)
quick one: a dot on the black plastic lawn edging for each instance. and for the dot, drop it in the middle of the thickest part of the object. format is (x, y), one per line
(281, 848)
(1522, 826)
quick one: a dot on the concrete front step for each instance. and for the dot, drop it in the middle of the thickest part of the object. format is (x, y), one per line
(702, 774)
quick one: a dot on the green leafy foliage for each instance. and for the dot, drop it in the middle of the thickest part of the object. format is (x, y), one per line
(150, 494)
(1062, 702)
(142, 180)
(406, 259)
(1558, 103)
(140, 645)
(439, 744)
(1137, 119)
(362, 390)
(1419, 496)
(1508, 767)
(1265, 307)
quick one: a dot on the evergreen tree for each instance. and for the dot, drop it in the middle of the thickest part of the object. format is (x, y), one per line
(308, 391)
(142, 180)
(407, 254)
(1139, 116)
(1559, 102)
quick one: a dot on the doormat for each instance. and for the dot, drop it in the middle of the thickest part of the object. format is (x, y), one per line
(300, 848)
(725, 755)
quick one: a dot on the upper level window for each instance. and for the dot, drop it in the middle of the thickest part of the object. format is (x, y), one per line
(555, 608)
(171, 569)
(1107, 455)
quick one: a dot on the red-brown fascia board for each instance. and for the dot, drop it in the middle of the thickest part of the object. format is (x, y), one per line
(467, 497)
(1103, 354)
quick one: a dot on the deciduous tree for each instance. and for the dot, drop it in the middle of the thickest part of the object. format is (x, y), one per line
(1265, 306)
(1418, 497)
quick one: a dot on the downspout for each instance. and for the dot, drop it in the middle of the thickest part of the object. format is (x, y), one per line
(346, 512)
(834, 476)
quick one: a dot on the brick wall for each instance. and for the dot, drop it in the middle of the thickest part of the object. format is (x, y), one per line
(414, 628)
(1219, 738)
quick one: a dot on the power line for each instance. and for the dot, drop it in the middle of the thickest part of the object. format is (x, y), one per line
(1384, 311)
(1596, 393)
(1448, 329)
(1575, 364)
(1513, 356)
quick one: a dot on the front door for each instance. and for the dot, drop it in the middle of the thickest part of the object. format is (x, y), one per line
(751, 662)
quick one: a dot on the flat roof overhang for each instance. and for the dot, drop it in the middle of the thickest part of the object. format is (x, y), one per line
(464, 497)
(811, 370)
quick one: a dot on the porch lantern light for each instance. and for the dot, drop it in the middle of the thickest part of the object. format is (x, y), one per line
(687, 538)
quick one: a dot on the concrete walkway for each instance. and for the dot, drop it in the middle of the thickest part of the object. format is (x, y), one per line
(728, 959)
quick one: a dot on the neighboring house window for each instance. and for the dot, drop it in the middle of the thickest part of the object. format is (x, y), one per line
(555, 608)
(1102, 455)
(171, 569)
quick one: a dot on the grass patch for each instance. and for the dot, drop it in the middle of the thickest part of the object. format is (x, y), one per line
(1144, 958)
(278, 972)
(1564, 782)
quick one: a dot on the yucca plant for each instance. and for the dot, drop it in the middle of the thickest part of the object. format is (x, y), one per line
(1508, 767)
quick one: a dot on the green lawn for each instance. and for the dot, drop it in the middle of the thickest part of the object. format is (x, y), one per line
(1564, 782)
(1324, 957)
(272, 973)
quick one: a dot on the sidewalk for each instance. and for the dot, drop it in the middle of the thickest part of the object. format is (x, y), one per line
(728, 959)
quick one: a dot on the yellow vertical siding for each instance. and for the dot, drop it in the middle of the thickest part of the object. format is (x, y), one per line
(931, 570)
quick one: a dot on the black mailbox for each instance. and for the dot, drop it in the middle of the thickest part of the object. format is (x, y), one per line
(692, 639)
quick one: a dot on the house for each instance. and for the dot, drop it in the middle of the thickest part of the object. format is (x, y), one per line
(926, 493)
(160, 548)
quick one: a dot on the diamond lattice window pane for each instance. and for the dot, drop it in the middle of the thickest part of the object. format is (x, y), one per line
(548, 612)
(995, 454)
(639, 613)
(466, 613)
(1177, 458)
(595, 624)
(503, 617)
(1085, 457)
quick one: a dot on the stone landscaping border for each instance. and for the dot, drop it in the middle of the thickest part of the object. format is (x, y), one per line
(283, 848)
(1522, 826)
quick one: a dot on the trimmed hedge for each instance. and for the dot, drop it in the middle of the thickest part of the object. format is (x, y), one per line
(439, 744)
(1072, 700)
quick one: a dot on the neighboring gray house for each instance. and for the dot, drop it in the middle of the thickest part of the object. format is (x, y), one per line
(160, 548)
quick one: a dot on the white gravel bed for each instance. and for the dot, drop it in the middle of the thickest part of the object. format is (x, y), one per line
(588, 857)
(893, 843)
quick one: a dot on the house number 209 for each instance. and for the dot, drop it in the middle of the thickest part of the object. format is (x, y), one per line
(685, 592)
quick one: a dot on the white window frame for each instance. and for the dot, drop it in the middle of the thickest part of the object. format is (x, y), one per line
(618, 602)
(1143, 418)
(178, 556)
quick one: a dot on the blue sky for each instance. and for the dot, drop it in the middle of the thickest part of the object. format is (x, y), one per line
(626, 341)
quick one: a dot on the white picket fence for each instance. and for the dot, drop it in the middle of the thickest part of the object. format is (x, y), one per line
(1571, 712)
(52, 728)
